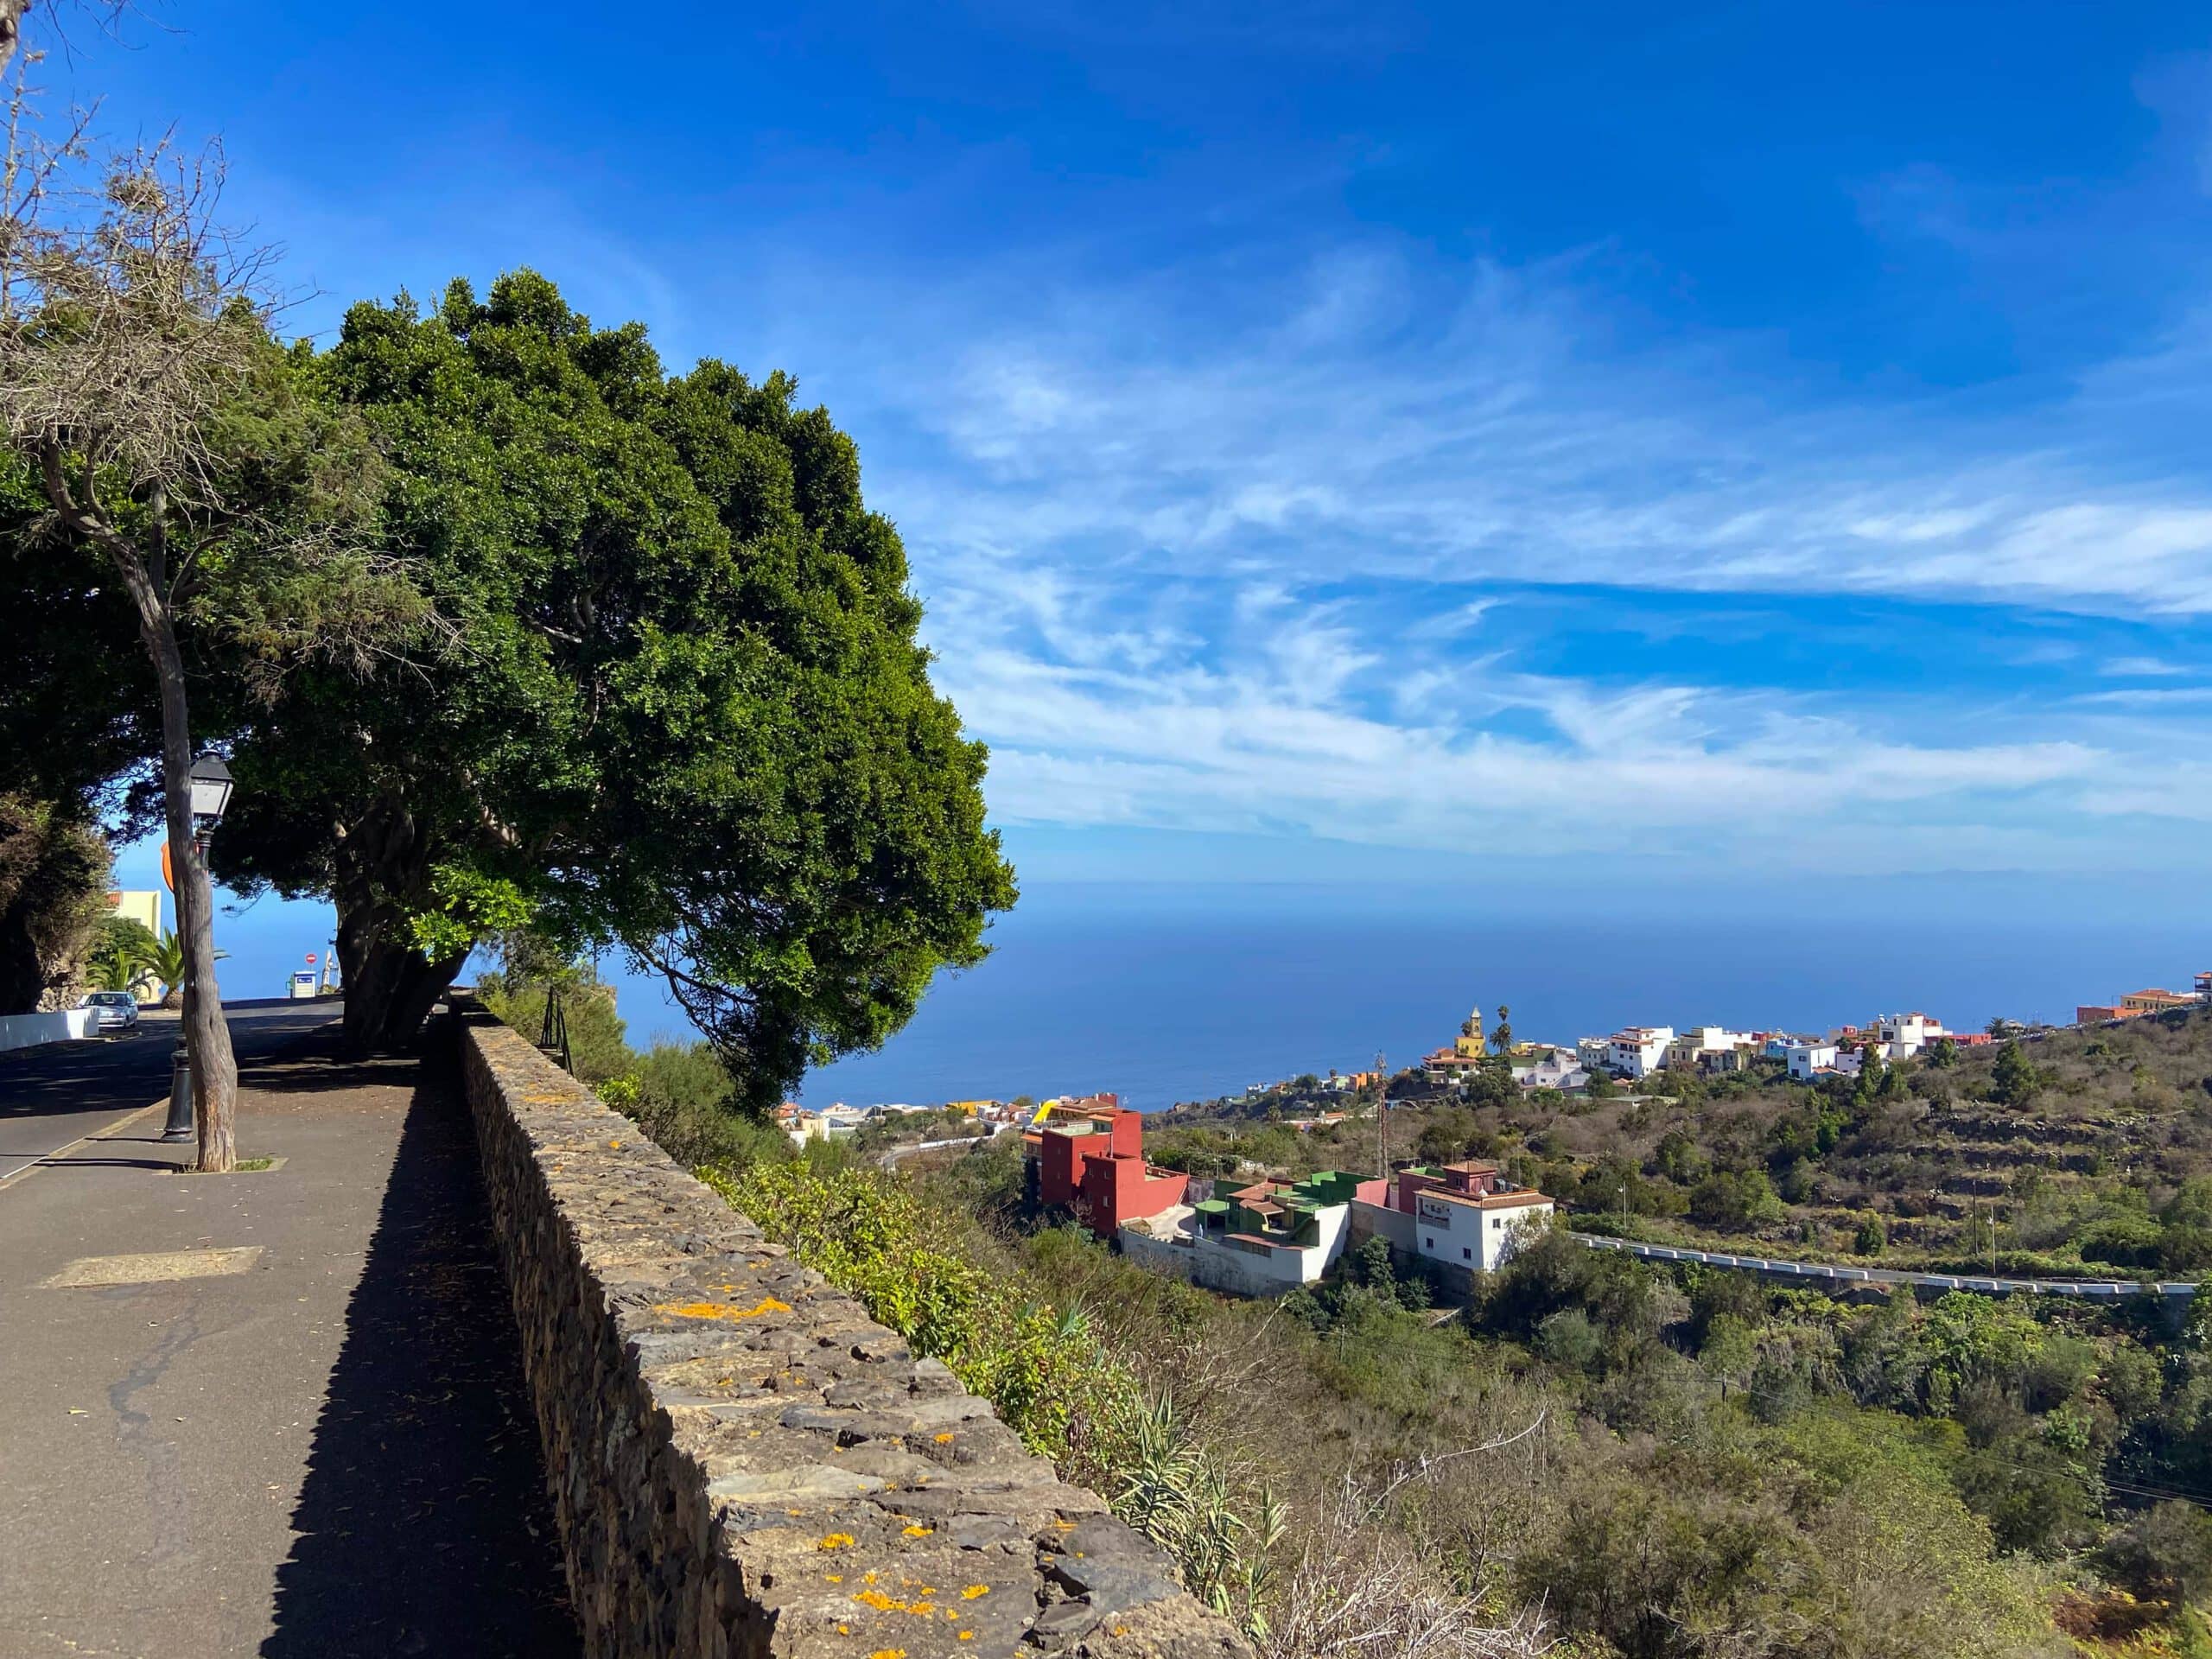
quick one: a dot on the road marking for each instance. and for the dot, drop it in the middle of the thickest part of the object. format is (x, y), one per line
(116, 1127)
(161, 1266)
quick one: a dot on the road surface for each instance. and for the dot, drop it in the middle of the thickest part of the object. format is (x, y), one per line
(277, 1414)
(53, 1096)
(1989, 1285)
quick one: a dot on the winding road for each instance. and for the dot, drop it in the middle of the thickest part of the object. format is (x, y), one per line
(2106, 1290)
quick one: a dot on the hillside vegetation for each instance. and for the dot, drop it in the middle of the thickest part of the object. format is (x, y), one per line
(2079, 1150)
(1597, 1459)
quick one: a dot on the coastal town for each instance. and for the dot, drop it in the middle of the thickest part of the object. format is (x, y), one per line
(1085, 1156)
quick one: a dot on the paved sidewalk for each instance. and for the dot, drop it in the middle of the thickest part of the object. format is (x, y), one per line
(324, 1451)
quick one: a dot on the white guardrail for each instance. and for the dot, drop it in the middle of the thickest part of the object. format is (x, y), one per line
(1988, 1285)
(28, 1030)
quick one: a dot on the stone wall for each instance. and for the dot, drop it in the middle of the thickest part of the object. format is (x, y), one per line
(743, 1463)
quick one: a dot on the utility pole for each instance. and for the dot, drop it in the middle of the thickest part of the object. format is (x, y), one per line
(1381, 1118)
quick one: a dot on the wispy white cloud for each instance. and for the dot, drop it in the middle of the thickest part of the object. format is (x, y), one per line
(2145, 668)
(1402, 424)
(1138, 554)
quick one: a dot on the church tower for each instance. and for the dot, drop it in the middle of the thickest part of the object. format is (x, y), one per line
(1469, 1041)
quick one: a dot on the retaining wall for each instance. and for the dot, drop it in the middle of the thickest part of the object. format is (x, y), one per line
(28, 1030)
(743, 1463)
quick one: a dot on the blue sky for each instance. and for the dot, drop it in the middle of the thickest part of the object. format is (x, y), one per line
(1354, 442)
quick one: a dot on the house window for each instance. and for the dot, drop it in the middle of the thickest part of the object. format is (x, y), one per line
(1466, 1254)
(1428, 1243)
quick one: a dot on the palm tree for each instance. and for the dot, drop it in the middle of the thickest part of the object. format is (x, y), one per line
(164, 960)
(110, 972)
(118, 960)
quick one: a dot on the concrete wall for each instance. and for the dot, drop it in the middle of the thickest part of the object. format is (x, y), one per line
(1216, 1266)
(28, 1030)
(743, 1463)
(1397, 1228)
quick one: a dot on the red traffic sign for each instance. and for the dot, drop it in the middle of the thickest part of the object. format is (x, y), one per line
(310, 958)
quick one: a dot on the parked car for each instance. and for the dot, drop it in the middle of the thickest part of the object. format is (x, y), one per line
(118, 1010)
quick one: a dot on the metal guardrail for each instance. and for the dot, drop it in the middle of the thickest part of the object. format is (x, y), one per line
(553, 1033)
(1985, 1284)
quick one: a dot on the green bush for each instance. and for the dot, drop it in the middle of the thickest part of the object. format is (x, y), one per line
(2125, 1242)
(865, 1233)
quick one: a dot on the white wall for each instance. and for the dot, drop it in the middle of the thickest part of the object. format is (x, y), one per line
(1221, 1266)
(27, 1030)
(1805, 1058)
(1462, 1236)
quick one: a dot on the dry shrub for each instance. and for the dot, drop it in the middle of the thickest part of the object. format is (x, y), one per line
(1363, 1587)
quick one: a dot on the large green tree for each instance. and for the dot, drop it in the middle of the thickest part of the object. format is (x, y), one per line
(76, 722)
(688, 719)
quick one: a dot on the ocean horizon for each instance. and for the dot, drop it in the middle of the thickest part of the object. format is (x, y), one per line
(1162, 994)
(1165, 992)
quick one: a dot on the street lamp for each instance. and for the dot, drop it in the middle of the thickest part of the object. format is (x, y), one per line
(210, 791)
(210, 794)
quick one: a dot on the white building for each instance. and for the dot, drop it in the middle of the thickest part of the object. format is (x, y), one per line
(1639, 1051)
(832, 1123)
(1903, 1035)
(1259, 1240)
(1462, 1216)
(1807, 1059)
(1560, 1068)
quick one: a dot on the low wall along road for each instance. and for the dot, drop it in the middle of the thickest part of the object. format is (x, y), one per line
(743, 1463)
(30, 1030)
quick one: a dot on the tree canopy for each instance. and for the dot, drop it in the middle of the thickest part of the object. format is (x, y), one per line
(688, 716)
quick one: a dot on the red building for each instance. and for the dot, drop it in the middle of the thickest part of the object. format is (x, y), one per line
(1088, 1157)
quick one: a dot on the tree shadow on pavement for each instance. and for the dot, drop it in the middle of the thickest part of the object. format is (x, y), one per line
(424, 1525)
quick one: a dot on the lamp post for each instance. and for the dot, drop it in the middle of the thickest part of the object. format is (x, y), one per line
(210, 795)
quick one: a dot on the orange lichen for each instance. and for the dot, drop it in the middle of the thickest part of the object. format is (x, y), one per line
(918, 1530)
(974, 1590)
(946, 1439)
(835, 1540)
(883, 1603)
(721, 1310)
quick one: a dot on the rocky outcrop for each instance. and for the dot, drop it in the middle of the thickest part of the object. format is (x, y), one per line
(743, 1463)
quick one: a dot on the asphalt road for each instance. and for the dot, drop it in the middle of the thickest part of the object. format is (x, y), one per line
(1989, 1285)
(53, 1096)
(279, 1413)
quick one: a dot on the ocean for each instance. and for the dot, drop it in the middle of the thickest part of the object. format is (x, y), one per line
(1162, 994)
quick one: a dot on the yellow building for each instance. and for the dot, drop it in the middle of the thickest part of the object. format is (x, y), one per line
(144, 908)
(1468, 1045)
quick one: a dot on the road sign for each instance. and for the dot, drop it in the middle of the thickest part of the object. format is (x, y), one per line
(310, 958)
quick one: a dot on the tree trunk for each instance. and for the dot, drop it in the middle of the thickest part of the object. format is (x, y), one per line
(11, 30)
(207, 1036)
(383, 868)
(390, 991)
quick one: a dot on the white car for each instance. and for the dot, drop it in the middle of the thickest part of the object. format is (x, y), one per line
(118, 1010)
